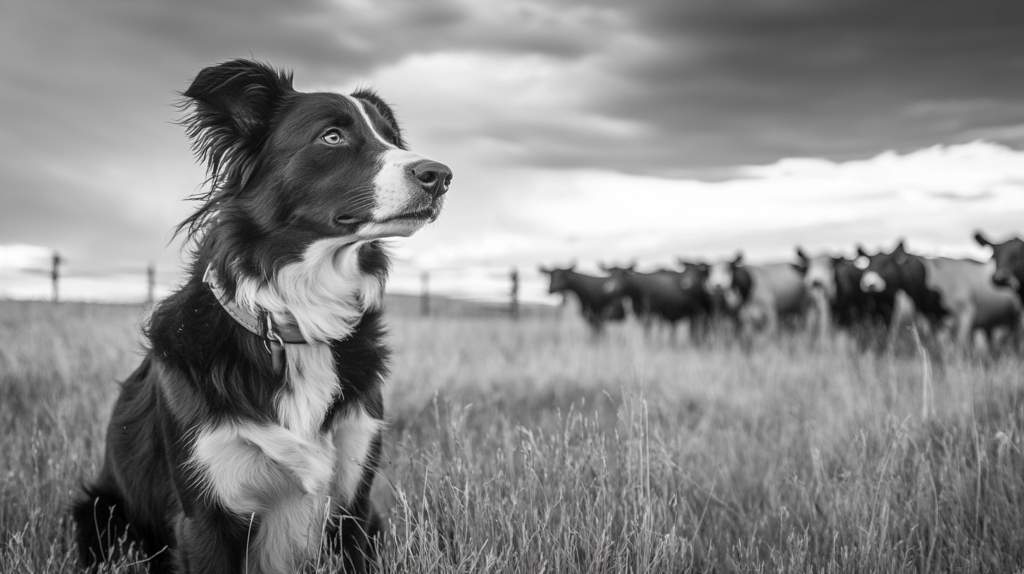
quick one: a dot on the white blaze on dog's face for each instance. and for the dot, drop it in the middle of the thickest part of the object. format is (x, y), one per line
(399, 185)
(339, 169)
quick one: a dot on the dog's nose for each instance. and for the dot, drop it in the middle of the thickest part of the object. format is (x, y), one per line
(433, 176)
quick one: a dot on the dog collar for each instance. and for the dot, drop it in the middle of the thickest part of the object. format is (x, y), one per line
(261, 323)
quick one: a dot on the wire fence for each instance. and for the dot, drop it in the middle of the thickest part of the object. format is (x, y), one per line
(60, 270)
(496, 287)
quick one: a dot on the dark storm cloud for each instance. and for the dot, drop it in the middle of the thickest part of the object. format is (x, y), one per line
(714, 84)
(747, 81)
(960, 197)
(719, 84)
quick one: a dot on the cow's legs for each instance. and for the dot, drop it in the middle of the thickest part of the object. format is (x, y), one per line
(965, 331)
(771, 321)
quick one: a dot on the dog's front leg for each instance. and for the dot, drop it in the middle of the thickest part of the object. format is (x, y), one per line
(267, 483)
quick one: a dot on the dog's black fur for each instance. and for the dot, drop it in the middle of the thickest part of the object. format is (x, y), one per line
(272, 194)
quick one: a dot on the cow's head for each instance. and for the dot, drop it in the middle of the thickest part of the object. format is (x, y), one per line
(721, 274)
(1009, 259)
(730, 281)
(559, 278)
(847, 276)
(694, 276)
(615, 284)
(883, 269)
(818, 272)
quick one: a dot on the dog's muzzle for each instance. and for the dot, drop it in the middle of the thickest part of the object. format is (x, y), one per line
(435, 178)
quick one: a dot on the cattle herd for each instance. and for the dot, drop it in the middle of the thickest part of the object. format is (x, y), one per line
(868, 295)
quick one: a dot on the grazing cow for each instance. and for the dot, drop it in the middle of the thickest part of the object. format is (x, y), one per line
(942, 288)
(834, 283)
(1009, 259)
(596, 305)
(665, 294)
(759, 294)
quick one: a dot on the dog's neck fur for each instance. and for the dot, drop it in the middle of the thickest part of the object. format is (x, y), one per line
(324, 293)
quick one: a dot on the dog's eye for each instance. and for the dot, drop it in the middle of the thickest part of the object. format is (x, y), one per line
(332, 137)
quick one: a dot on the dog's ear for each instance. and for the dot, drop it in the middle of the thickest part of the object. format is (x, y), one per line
(228, 114)
(231, 108)
(371, 98)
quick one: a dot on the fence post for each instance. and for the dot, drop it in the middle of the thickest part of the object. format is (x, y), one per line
(55, 275)
(150, 283)
(513, 308)
(425, 293)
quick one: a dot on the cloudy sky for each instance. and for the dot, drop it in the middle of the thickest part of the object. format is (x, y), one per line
(577, 130)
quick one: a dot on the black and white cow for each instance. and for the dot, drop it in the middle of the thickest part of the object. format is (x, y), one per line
(759, 295)
(1009, 259)
(596, 305)
(944, 289)
(834, 283)
(666, 295)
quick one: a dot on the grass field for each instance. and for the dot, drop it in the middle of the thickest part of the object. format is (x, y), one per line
(528, 447)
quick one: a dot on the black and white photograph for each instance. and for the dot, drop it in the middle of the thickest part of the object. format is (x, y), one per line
(513, 286)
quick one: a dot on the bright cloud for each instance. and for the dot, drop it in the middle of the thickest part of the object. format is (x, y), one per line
(539, 97)
(936, 196)
(13, 257)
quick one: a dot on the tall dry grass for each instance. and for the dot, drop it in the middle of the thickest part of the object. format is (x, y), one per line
(529, 447)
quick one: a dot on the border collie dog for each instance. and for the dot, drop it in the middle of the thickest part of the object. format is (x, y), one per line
(248, 438)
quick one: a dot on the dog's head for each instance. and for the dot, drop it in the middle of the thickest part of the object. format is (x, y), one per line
(288, 169)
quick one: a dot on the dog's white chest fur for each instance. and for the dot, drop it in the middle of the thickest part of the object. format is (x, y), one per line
(287, 475)
(312, 387)
(302, 408)
(284, 476)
